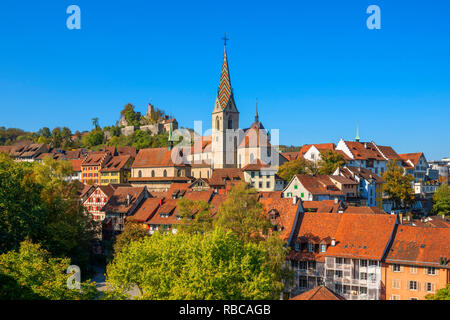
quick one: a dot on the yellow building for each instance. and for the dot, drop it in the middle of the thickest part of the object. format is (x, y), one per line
(116, 170)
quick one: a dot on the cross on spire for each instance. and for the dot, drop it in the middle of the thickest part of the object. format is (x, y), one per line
(225, 39)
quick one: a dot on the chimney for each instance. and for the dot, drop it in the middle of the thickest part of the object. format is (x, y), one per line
(333, 242)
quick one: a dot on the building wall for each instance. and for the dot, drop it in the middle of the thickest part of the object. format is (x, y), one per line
(159, 172)
(259, 180)
(397, 282)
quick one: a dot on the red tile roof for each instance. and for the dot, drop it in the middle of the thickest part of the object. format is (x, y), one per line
(118, 201)
(285, 212)
(421, 246)
(363, 236)
(158, 157)
(319, 185)
(318, 293)
(364, 150)
(413, 157)
(146, 210)
(220, 177)
(116, 163)
(76, 165)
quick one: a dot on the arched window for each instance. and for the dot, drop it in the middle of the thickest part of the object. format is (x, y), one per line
(230, 123)
(165, 173)
(217, 123)
(140, 174)
(153, 173)
(178, 173)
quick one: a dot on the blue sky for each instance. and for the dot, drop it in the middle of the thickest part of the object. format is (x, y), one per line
(314, 66)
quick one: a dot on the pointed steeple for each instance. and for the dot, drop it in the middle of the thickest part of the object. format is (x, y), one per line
(357, 134)
(256, 114)
(224, 93)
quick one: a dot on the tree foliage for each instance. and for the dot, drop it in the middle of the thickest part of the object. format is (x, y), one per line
(398, 186)
(243, 214)
(329, 161)
(441, 294)
(441, 199)
(132, 231)
(37, 203)
(196, 216)
(216, 265)
(31, 273)
(299, 166)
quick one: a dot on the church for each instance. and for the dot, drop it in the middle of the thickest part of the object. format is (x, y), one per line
(228, 146)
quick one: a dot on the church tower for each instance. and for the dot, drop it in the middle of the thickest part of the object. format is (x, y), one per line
(225, 121)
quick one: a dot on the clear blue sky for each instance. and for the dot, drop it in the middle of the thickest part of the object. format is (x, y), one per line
(313, 65)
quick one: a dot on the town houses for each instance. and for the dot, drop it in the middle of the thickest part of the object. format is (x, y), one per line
(345, 238)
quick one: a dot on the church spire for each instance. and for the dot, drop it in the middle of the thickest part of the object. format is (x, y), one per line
(224, 92)
(256, 114)
(357, 134)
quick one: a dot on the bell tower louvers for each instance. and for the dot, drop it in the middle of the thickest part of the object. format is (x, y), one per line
(225, 121)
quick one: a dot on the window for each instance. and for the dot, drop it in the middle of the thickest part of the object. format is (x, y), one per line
(165, 173)
(153, 173)
(395, 284)
(413, 298)
(413, 270)
(412, 285)
(302, 282)
(260, 185)
(430, 287)
(303, 265)
(395, 297)
(140, 174)
(338, 273)
(338, 260)
(397, 268)
(323, 247)
(252, 174)
(363, 263)
(302, 195)
(295, 187)
(310, 247)
(267, 184)
(431, 271)
(230, 123)
(363, 276)
(297, 246)
(373, 263)
(363, 290)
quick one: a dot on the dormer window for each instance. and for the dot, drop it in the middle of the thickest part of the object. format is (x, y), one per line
(323, 247)
(310, 247)
(297, 246)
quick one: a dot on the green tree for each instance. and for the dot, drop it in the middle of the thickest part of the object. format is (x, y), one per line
(329, 161)
(94, 138)
(299, 166)
(441, 199)
(441, 294)
(95, 123)
(243, 214)
(398, 186)
(132, 231)
(37, 203)
(216, 265)
(196, 216)
(133, 118)
(31, 273)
